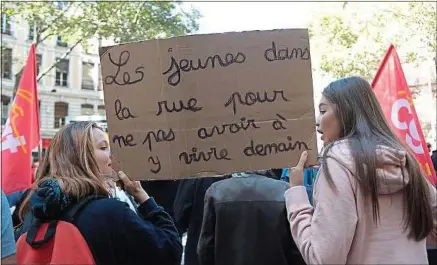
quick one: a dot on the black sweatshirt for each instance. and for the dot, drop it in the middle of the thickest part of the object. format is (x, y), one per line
(117, 235)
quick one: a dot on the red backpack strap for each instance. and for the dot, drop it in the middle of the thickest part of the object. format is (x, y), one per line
(69, 216)
(31, 234)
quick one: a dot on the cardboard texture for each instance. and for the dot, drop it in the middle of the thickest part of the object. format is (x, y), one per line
(244, 99)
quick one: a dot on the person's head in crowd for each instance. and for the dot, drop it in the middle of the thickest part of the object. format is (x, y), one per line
(79, 159)
(429, 147)
(350, 110)
(269, 173)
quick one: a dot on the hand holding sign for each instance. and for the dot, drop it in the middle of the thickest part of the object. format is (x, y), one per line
(296, 173)
(133, 188)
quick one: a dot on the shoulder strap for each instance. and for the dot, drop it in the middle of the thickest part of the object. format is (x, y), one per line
(51, 230)
(72, 213)
(31, 234)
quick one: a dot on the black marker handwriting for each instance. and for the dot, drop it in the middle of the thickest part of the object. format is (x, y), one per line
(122, 113)
(278, 124)
(126, 140)
(160, 136)
(188, 65)
(198, 156)
(274, 148)
(191, 106)
(204, 133)
(110, 79)
(271, 54)
(251, 98)
(156, 163)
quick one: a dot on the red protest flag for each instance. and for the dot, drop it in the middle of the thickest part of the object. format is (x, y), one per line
(21, 134)
(391, 89)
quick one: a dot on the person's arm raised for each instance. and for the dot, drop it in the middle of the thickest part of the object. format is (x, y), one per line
(155, 237)
(323, 234)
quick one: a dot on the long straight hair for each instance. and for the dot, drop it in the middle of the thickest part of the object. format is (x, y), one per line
(363, 124)
(70, 159)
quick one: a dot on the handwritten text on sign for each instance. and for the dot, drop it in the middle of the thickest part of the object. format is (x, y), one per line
(209, 104)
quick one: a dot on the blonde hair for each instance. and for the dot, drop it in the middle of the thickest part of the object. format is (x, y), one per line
(70, 159)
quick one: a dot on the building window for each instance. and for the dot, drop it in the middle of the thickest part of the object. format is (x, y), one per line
(5, 107)
(38, 63)
(101, 110)
(62, 73)
(32, 32)
(60, 42)
(61, 111)
(7, 63)
(87, 76)
(87, 109)
(6, 24)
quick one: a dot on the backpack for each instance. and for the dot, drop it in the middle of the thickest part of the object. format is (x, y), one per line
(55, 241)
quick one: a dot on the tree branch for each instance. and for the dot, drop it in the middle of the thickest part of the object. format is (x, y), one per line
(59, 59)
(345, 4)
(40, 31)
(56, 18)
(140, 6)
(43, 39)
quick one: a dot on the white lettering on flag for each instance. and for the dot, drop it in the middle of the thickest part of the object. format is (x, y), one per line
(9, 141)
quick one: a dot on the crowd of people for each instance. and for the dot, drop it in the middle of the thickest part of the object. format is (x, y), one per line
(366, 202)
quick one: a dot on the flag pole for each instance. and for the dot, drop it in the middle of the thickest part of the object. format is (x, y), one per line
(40, 152)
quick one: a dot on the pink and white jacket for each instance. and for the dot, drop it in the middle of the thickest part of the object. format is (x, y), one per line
(339, 229)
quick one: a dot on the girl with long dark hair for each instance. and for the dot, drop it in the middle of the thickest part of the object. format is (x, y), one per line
(372, 203)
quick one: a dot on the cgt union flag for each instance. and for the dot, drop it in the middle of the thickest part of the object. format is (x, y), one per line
(21, 132)
(391, 89)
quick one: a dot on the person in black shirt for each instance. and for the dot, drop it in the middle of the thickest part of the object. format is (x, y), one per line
(188, 212)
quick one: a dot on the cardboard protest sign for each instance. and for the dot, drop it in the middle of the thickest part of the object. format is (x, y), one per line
(208, 105)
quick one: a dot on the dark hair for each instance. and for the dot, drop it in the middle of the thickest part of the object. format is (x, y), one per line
(363, 124)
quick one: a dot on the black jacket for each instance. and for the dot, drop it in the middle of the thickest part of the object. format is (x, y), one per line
(114, 233)
(163, 191)
(188, 212)
(245, 223)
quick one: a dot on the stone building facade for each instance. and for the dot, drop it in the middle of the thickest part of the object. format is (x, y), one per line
(71, 89)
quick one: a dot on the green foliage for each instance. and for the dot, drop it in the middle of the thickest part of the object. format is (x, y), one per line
(78, 22)
(423, 22)
(122, 21)
(353, 39)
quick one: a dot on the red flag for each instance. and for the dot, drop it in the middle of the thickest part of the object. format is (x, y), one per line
(21, 134)
(391, 89)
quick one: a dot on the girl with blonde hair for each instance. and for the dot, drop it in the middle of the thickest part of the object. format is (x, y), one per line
(77, 165)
